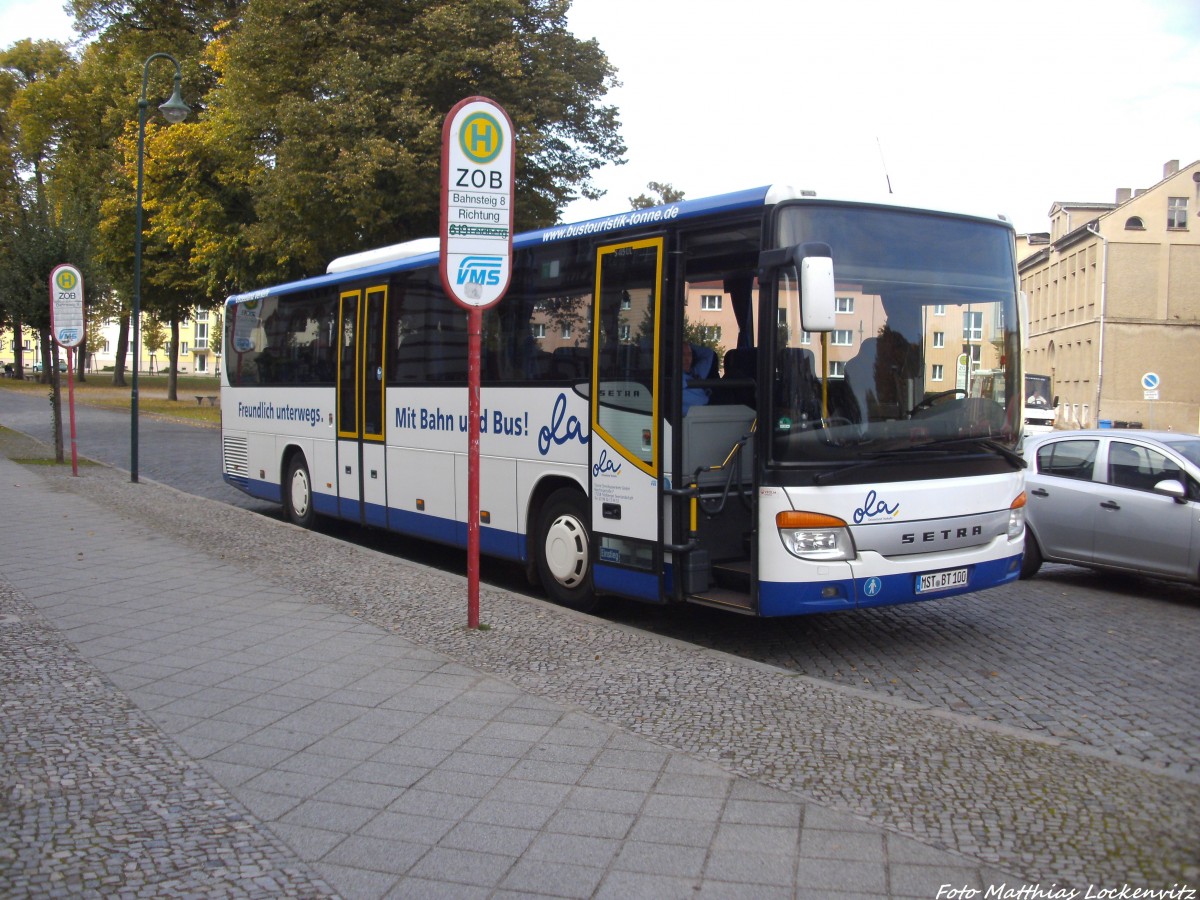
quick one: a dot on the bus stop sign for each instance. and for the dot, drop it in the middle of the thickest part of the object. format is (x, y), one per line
(478, 155)
(66, 306)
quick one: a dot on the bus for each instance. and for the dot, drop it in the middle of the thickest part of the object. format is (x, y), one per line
(824, 460)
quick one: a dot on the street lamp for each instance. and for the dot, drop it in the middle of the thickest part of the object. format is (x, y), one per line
(174, 111)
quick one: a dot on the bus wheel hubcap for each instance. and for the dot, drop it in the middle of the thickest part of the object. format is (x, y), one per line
(566, 551)
(299, 493)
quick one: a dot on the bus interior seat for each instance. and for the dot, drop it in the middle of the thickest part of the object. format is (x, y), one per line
(740, 363)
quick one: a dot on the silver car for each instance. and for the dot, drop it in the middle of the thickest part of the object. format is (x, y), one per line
(1114, 499)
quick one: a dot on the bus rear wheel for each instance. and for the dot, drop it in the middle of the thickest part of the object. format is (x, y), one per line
(564, 550)
(297, 493)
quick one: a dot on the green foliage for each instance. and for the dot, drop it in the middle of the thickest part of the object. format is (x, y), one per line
(316, 132)
(661, 193)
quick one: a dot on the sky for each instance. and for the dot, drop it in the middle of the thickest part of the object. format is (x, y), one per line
(982, 107)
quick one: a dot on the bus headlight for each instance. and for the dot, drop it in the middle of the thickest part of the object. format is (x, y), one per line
(815, 536)
(1016, 517)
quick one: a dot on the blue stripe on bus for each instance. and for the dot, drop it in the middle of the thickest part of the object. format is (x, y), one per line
(492, 541)
(778, 598)
(626, 582)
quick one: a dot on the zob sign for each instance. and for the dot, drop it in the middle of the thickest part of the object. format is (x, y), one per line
(477, 212)
(66, 306)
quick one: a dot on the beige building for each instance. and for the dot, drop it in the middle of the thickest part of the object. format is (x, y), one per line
(195, 354)
(1114, 297)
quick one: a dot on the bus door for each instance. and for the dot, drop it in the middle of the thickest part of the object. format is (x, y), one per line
(625, 471)
(362, 485)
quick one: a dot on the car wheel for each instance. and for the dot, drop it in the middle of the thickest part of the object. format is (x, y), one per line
(1032, 561)
(564, 550)
(298, 495)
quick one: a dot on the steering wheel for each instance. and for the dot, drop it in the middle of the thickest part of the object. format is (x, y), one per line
(934, 399)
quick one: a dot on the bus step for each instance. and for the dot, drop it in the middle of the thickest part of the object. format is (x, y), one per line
(732, 574)
(735, 601)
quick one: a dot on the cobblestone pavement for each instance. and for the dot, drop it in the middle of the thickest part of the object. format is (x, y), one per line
(1106, 662)
(390, 769)
(1039, 807)
(97, 802)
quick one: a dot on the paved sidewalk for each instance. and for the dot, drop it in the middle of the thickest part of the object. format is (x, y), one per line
(182, 715)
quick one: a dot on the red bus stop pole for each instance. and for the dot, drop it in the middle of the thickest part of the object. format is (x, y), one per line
(474, 348)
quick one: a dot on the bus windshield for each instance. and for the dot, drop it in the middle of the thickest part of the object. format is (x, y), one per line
(924, 348)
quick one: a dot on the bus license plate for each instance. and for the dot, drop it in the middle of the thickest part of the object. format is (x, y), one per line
(941, 581)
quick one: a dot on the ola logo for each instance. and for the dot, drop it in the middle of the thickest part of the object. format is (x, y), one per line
(65, 280)
(481, 138)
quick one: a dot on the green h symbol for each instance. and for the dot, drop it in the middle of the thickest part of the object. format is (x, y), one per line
(480, 138)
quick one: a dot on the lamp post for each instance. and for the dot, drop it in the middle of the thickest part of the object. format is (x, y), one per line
(174, 111)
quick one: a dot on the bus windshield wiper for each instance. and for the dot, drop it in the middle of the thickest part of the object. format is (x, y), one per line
(986, 443)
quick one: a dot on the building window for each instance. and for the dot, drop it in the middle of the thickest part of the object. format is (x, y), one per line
(837, 369)
(844, 304)
(939, 372)
(624, 332)
(538, 329)
(972, 326)
(1177, 213)
(805, 337)
(939, 309)
(1134, 223)
(842, 337)
(626, 303)
(939, 339)
(710, 301)
(566, 331)
(183, 348)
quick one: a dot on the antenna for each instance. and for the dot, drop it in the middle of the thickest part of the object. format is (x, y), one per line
(883, 161)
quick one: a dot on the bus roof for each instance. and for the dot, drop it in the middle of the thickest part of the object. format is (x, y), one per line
(424, 251)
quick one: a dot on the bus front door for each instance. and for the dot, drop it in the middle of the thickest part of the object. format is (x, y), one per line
(362, 483)
(626, 454)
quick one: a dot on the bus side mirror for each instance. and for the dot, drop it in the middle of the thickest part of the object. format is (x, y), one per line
(817, 308)
(808, 267)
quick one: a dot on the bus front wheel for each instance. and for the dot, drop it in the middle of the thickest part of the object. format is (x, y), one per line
(298, 495)
(563, 550)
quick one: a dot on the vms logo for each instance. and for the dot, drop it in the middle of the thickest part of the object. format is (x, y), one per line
(480, 270)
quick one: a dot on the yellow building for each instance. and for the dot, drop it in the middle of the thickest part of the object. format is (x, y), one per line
(195, 353)
(1114, 305)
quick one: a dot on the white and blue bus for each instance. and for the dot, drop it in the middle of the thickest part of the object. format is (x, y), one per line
(828, 455)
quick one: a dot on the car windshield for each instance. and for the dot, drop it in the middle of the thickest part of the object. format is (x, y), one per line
(924, 350)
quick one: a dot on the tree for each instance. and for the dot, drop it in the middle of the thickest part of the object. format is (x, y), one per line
(34, 235)
(663, 194)
(333, 111)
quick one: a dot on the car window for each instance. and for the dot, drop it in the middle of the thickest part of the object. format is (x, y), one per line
(1187, 447)
(1068, 459)
(1141, 468)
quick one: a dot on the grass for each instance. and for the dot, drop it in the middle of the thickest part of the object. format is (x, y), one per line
(99, 391)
